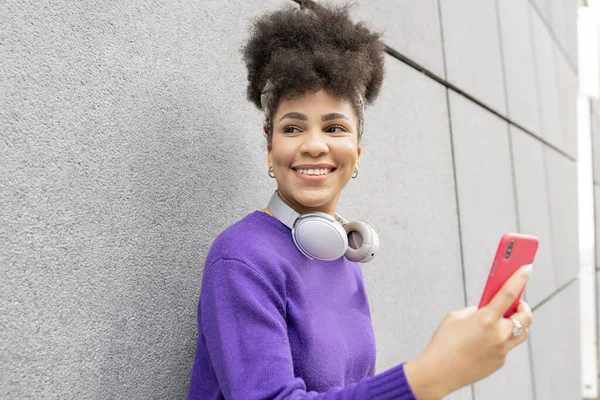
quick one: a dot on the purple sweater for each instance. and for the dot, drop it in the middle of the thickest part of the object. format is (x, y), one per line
(273, 324)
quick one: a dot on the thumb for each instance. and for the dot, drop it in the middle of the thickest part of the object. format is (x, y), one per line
(511, 289)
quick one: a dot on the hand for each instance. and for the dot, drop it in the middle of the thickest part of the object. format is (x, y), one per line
(470, 344)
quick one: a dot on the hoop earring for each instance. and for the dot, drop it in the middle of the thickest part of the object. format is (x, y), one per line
(355, 174)
(271, 173)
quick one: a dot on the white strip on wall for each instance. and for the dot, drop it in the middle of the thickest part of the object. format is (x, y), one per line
(589, 88)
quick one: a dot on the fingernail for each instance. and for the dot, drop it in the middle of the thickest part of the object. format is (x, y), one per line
(527, 270)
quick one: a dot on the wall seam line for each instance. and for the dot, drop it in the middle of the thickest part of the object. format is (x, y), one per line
(460, 243)
(556, 292)
(442, 38)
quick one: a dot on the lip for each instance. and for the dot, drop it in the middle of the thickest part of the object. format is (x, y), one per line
(314, 166)
(313, 178)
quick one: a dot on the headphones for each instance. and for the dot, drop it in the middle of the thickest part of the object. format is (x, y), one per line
(321, 236)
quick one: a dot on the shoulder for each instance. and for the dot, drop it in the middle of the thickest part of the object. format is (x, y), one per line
(244, 258)
(252, 233)
(257, 240)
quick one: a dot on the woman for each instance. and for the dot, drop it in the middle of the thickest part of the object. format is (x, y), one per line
(276, 321)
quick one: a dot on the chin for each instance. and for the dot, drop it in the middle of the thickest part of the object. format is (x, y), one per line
(315, 200)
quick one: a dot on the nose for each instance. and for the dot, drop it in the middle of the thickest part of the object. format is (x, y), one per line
(315, 143)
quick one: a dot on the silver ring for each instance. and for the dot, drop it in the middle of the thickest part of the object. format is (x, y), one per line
(517, 328)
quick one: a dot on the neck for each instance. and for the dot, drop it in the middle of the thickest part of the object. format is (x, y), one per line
(328, 208)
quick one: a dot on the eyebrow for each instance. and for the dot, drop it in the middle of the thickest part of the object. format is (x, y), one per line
(329, 117)
(326, 117)
(295, 115)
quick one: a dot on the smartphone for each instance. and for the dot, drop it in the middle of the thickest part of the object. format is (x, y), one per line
(514, 251)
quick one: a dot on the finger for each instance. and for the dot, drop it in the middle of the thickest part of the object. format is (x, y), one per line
(509, 291)
(506, 325)
(517, 340)
(524, 314)
(523, 306)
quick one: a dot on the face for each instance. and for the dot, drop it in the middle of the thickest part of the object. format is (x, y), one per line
(314, 150)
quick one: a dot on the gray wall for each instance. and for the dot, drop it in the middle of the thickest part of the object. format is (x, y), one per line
(127, 146)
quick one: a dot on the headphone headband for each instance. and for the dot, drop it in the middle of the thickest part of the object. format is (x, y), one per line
(286, 214)
(321, 236)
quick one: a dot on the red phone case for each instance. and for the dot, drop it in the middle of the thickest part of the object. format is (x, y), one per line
(522, 252)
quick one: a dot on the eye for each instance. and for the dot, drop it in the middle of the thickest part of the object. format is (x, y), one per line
(335, 129)
(291, 129)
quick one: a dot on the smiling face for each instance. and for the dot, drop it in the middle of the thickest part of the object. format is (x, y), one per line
(314, 150)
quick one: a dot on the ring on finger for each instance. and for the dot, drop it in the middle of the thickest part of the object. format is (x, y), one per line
(517, 328)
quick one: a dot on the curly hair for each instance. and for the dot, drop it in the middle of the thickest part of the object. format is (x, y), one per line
(306, 49)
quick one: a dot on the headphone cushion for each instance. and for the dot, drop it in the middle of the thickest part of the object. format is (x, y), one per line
(363, 241)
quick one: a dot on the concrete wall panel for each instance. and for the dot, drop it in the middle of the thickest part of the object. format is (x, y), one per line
(485, 188)
(543, 8)
(486, 207)
(406, 167)
(547, 81)
(533, 208)
(118, 171)
(516, 370)
(562, 189)
(410, 27)
(567, 98)
(472, 49)
(561, 18)
(523, 102)
(570, 39)
(555, 346)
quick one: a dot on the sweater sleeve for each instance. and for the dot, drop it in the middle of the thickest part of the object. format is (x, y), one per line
(242, 318)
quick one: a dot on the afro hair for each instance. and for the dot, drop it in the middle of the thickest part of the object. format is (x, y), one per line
(310, 48)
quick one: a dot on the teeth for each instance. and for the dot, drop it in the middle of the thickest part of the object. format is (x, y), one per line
(320, 171)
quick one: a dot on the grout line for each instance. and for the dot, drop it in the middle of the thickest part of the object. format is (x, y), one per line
(535, 66)
(550, 207)
(460, 242)
(462, 258)
(531, 369)
(502, 63)
(552, 295)
(442, 38)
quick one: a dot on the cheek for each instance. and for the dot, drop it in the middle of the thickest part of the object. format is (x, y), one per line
(281, 155)
(350, 153)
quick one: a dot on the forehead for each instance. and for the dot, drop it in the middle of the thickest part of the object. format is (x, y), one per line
(318, 103)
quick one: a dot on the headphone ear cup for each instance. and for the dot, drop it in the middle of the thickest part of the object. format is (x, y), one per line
(363, 241)
(319, 235)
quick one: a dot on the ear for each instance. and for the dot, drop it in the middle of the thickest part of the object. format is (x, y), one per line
(269, 150)
(358, 152)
